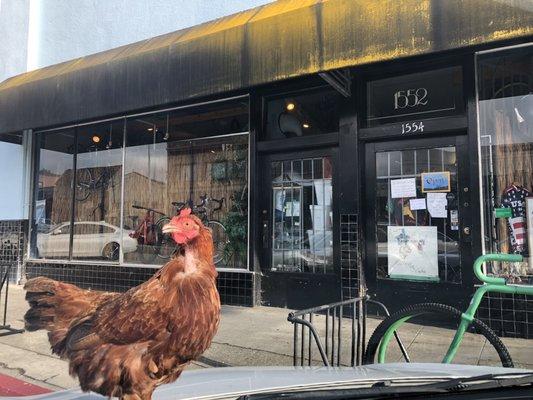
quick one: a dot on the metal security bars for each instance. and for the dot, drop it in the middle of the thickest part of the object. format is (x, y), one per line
(302, 234)
(337, 331)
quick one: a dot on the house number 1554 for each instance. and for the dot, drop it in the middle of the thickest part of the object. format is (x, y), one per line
(412, 127)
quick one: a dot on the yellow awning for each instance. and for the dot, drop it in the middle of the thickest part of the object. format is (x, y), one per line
(284, 39)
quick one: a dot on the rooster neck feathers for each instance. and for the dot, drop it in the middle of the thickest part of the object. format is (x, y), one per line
(194, 262)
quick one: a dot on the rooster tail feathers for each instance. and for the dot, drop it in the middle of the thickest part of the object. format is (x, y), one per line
(57, 339)
(45, 297)
(40, 285)
(40, 295)
(39, 317)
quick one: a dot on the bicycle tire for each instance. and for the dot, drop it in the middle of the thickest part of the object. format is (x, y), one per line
(83, 192)
(425, 308)
(166, 246)
(111, 251)
(220, 239)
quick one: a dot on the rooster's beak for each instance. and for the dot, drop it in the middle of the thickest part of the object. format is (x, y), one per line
(170, 228)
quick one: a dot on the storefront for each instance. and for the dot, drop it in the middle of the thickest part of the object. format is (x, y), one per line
(325, 161)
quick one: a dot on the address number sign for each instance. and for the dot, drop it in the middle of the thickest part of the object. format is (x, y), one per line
(416, 96)
(410, 98)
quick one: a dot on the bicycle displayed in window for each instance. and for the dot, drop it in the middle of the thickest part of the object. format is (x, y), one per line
(91, 179)
(204, 211)
(378, 345)
(87, 181)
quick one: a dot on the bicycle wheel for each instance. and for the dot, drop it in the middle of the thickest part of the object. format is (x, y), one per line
(220, 239)
(166, 246)
(427, 330)
(84, 183)
(111, 251)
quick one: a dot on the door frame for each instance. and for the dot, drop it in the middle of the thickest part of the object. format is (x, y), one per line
(460, 292)
(264, 203)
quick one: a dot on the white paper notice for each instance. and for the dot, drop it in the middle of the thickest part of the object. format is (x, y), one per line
(417, 204)
(413, 252)
(403, 188)
(437, 203)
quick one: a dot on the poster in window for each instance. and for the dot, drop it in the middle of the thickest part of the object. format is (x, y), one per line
(436, 182)
(413, 253)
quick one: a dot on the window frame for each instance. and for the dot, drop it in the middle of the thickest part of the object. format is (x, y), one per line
(32, 231)
(265, 142)
(478, 56)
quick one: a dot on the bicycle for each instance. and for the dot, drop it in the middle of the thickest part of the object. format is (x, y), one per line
(380, 339)
(218, 230)
(149, 233)
(86, 182)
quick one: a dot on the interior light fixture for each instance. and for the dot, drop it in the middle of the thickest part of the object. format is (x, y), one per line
(306, 125)
(291, 106)
(96, 139)
(150, 129)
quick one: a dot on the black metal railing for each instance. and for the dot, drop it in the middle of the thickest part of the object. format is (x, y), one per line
(338, 319)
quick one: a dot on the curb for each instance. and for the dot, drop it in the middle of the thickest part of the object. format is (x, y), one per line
(10, 386)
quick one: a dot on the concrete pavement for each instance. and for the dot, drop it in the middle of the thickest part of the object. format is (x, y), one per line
(246, 337)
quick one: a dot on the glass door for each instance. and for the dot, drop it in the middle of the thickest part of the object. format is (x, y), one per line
(298, 229)
(302, 217)
(417, 233)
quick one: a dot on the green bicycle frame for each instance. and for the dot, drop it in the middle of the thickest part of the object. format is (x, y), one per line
(490, 284)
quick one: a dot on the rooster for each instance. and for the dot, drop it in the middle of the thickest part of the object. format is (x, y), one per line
(125, 345)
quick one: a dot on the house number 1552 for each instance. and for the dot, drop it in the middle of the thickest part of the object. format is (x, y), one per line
(410, 98)
(412, 127)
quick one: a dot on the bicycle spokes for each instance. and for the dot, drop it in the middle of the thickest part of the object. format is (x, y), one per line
(428, 331)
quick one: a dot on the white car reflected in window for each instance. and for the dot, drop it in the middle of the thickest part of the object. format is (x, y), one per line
(90, 239)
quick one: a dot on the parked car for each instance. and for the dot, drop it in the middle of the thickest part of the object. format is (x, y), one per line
(90, 239)
(381, 381)
(44, 226)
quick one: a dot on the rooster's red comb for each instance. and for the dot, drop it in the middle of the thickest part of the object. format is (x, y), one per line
(184, 212)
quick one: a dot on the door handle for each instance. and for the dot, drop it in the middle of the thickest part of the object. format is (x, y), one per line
(265, 235)
(265, 228)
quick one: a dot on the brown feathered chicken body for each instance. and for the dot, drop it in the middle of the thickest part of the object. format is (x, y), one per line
(125, 345)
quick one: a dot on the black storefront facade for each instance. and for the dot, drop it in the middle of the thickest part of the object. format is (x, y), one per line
(356, 144)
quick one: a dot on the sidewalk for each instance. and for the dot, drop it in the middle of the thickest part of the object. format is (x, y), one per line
(246, 337)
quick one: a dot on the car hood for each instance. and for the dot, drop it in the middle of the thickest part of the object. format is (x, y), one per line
(227, 383)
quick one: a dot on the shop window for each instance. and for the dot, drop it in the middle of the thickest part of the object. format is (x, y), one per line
(12, 176)
(194, 156)
(53, 194)
(97, 191)
(305, 114)
(198, 156)
(505, 94)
